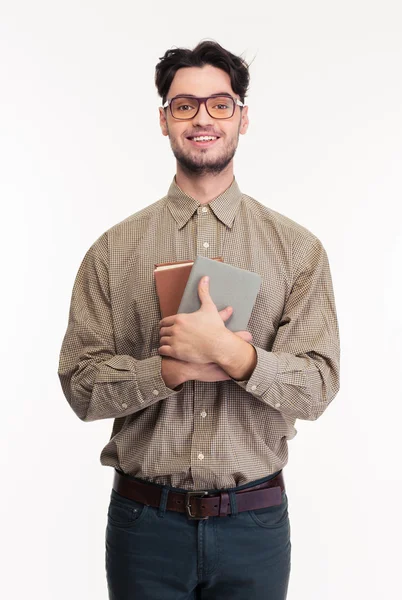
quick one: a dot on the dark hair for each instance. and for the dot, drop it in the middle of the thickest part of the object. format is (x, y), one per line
(205, 53)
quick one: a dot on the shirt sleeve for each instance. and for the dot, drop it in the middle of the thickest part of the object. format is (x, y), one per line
(299, 376)
(97, 382)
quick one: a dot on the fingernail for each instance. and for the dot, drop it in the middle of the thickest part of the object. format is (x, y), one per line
(205, 280)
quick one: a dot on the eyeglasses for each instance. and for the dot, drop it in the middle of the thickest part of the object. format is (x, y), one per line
(219, 106)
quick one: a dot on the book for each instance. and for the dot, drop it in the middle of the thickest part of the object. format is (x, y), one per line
(228, 286)
(170, 281)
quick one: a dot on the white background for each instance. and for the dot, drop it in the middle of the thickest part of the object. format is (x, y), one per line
(81, 150)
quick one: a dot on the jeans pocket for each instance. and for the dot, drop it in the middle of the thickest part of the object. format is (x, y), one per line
(272, 517)
(123, 512)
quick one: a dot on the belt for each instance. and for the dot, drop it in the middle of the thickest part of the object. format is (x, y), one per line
(201, 504)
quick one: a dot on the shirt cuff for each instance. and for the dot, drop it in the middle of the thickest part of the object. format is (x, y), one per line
(145, 374)
(263, 375)
(151, 385)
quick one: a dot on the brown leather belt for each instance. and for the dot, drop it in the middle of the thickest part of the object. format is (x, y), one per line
(201, 504)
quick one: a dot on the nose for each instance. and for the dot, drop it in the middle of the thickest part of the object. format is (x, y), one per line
(202, 117)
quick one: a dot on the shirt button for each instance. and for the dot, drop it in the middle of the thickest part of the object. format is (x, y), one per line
(156, 392)
(206, 245)
(277, 405)
(124, 405)
(200, 456)
(203, 414)
(204, 209)
(253, 387)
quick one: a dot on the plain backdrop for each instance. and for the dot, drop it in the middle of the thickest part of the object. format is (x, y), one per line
(81, 149)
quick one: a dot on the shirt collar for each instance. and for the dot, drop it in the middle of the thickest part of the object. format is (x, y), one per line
(224, 206)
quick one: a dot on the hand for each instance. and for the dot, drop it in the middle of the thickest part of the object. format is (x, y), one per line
(196, 337)
(210, 371)
(175, 372)
(244, 335)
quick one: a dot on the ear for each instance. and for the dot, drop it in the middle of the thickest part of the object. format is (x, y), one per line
(244, 120)
(162, 121)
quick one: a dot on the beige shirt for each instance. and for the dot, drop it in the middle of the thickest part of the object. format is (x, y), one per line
(201, 435)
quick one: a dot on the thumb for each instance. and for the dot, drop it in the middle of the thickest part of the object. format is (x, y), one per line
(203, 293)
(206, 300)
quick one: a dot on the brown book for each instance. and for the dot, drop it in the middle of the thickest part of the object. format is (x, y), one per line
(170, 280)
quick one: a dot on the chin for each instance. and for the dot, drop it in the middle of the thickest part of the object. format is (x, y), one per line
(205, 168)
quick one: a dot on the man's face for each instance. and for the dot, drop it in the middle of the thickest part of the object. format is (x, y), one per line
(198, 158)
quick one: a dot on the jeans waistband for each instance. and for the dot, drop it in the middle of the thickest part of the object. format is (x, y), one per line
(211, 490)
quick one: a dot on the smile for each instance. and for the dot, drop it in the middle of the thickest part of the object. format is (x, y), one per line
(203, 140)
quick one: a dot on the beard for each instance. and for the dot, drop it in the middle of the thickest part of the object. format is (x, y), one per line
(199, 163)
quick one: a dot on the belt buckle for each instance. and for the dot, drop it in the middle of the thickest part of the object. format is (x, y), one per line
(188, 506)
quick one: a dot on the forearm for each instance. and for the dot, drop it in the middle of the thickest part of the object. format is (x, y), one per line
(300, 386)
(98, 382)
(112, 388)
(299, 373)
(176, 372)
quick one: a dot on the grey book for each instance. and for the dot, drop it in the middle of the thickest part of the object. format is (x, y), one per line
(228, 286)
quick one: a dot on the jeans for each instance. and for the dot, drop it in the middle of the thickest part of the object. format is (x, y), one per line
(158, 554)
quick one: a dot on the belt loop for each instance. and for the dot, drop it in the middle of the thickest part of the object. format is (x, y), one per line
(233, 503)
(163, 501)
(224, 504)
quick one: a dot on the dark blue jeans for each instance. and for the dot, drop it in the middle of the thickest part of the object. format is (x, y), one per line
(158, 554)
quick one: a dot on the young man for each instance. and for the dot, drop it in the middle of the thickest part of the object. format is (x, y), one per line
(202, 415)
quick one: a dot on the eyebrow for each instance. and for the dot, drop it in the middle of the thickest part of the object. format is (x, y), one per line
(194, 96)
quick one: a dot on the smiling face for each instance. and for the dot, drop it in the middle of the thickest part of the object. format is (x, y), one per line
(203, 157)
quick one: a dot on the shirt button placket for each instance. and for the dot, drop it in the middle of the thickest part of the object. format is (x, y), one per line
(206, 244)
(203, 392)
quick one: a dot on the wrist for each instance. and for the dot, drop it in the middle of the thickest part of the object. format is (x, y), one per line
(174, 372)
(238, 358)
(223, 348)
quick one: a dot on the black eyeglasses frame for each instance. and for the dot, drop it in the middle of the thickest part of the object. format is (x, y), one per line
(236, 102)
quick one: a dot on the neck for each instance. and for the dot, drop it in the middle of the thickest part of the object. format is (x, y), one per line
(204, 188)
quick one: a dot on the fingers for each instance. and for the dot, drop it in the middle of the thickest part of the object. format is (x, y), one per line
(165, 331)
(244, 335)
(209, 372)
(165, 351)
(167, 321)
(225, 313)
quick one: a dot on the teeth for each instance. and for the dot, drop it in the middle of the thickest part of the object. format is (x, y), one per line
(204, 138)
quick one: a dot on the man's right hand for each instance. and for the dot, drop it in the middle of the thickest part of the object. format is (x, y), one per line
(175, 372)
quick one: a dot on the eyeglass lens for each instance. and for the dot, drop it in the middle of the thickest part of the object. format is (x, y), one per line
(219, 107)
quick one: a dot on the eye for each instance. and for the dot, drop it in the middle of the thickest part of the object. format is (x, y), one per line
(183, 105)
(221, 105)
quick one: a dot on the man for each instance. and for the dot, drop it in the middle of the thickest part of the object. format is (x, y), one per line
(202, 415)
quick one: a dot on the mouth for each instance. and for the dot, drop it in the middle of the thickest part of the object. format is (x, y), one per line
(203, 141)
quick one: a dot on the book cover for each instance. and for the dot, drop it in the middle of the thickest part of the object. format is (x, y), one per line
(170, 281)
(228, 286)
